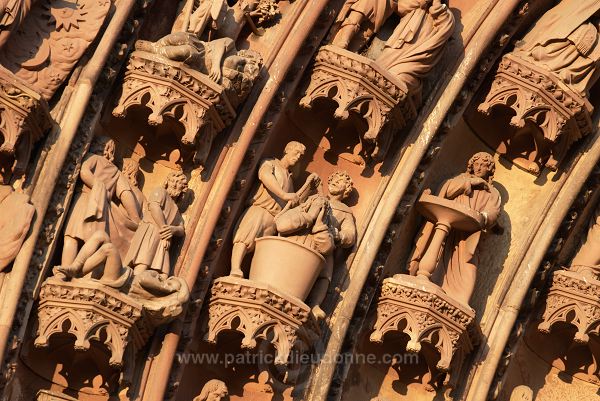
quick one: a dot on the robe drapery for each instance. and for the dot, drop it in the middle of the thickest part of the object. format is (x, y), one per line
(415, 45)
(91, 211)
(376, 11)
(15, 220)
(147, 247)
(565, 42)
(456, 270)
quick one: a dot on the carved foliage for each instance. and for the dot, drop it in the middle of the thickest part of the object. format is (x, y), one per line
(24, 118)
(426, 317)
(90, 311)
(172, 89)
(573, 300)
(259, 312)
(359, 86)
(538, 97)
(51, 40)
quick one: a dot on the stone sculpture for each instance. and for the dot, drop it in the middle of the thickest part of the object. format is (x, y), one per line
(546, 82)
(198, 80)
(384, 91)
(272, 194)
(126, 225)
(102, 181)
(12, 13)
(213, 390)
(161, 221)
(322, 224)
(456, 268)
(15, 219)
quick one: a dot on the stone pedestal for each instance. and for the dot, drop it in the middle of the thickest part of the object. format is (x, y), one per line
(358, 85)
(574, 300)
(260, 312)
(540, 98)
(24, 119)
(46, 395)
(427, 315)
(173, 89)
(91, 311)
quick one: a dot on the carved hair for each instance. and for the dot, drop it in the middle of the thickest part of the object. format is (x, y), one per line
(486, 157)
(294, 145)
(176, 176)
(212, 386)
(131, 169)
(103, 144)
(347, 181)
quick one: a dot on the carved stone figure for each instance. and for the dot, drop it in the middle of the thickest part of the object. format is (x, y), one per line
(91, 209)
(322, 224)
(161, 221)
(587, 260)
(274, 192)
(417, 42)
(213, 390)
(15, 219)
(565, 41)
(385, 91)
(126, 225)
(12, 13)
(456, 266)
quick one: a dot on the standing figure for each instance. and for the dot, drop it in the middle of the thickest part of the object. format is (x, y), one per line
(12, 13)
(566, 41)
(213, 390)
(457, 265)
(323, 224)
(416, 44)
(15, 220)
(275, 190)
(161, 221)
(587, 260)
(91, 210)
(126, 225)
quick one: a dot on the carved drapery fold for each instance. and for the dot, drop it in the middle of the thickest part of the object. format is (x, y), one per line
(358, 85)
(539, 98)
(260, 312)
(426, 314)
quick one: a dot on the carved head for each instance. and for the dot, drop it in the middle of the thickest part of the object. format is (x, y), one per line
(482, 165)
(104, 146)
(340, 183)
(213, 390)
(176, 184)
(293, 152)
(131, 169)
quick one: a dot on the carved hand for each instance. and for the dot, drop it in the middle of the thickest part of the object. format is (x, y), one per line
(215, 73)
(478, 182)
(291, 197)
(166, 232)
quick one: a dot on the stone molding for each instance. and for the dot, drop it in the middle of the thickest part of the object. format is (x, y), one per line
(358, 85)
(91, 311)
(173, 89)
(261, 311)
(537, 96)
(573, 299)
(428, 314)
